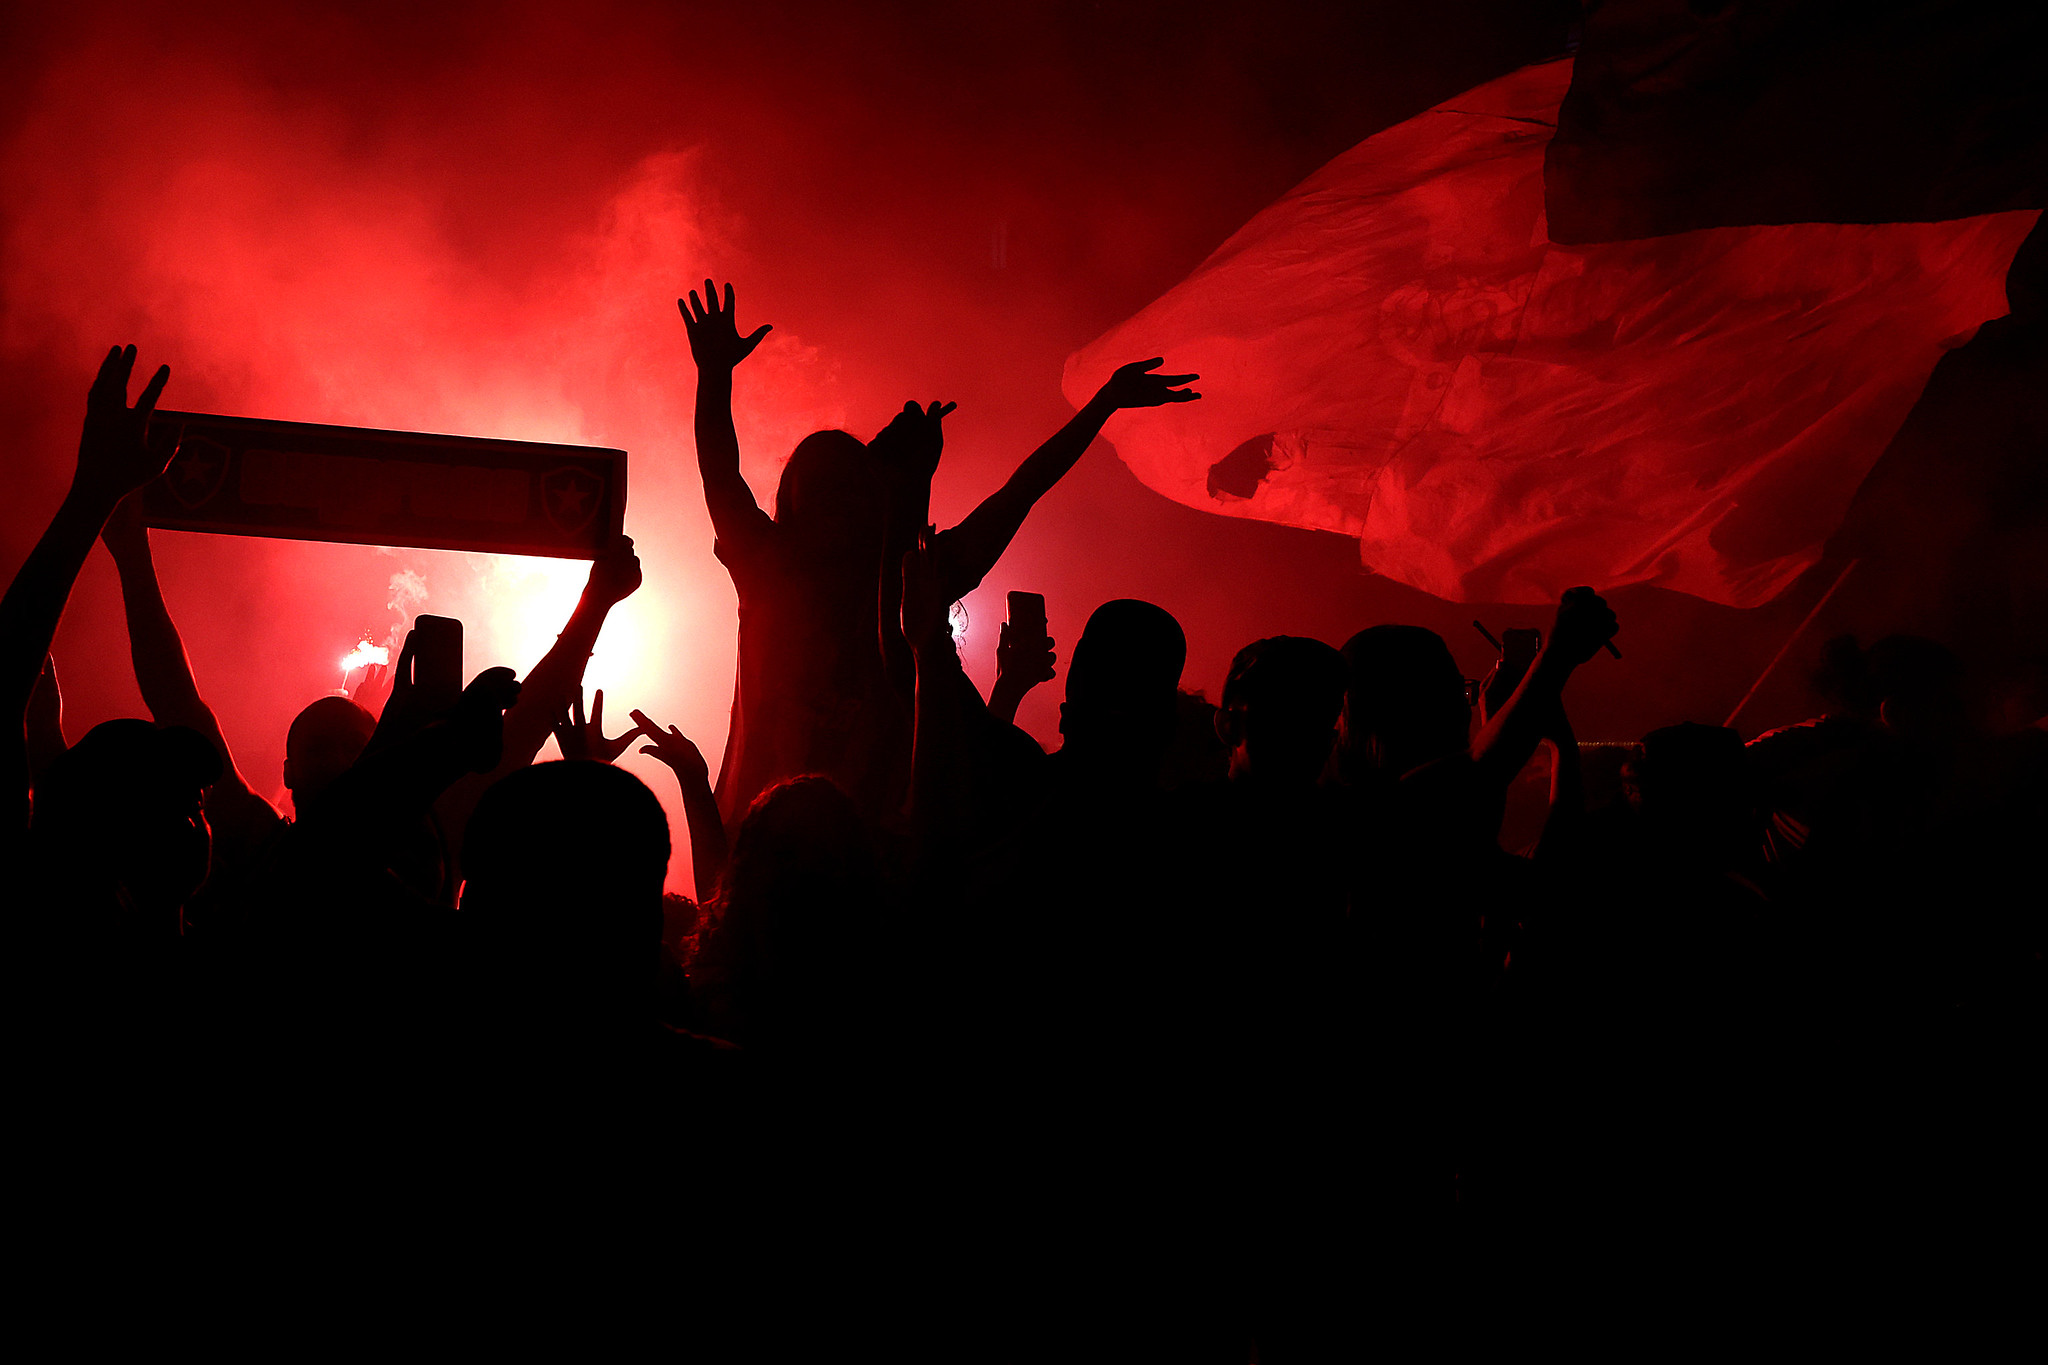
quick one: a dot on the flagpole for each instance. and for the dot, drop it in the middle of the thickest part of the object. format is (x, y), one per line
(1790, 640)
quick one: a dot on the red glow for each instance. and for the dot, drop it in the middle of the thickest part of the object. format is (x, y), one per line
(285, 272)
(1397, 351)
(399, 216)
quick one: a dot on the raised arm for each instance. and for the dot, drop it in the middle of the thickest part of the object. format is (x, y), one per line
(1584, 624)
(45, 721)
(114, 460)
(971, 549)
(388, 790)
(1021, 664)
(700, 807)
(949, 711)
(547, 693)
(240, 818)
(907, 452)
(162, 669)
(557, 680)
(1567, 810)
(718, 348)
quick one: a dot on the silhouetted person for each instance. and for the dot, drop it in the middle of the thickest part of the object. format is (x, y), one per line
(1278, 848)
(1851, 794)
(1278, 717)
(798, 962)
(1091, 1002)
(324, 741)
(1693, 793)
(1274, 865)
(789, 957)
(243, 822)
(1436, 903)
(119, 841)
(113, 461)
(551, 692)
(1119, 714)
(824, 676)
(564, 897)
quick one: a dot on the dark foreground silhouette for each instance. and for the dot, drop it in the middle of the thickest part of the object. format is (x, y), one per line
(1221, 1033)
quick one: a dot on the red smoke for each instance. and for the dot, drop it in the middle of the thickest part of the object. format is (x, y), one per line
(477, 218)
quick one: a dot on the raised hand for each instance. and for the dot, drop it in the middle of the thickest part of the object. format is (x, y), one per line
(700, 807)
(479, 717)
(614, 574)
(1136, 386)
(715, 341)
(1024, 663)
(913, 439)
(114, 456)
(373, 688)
(580, 740)
(675, 749)
(1585, 624)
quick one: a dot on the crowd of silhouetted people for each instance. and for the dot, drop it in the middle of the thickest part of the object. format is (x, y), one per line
(1225, 1032)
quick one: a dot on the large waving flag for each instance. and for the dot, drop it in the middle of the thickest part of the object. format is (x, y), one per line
(1398, 351)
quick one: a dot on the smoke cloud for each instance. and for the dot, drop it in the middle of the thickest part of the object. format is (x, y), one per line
(477, 218)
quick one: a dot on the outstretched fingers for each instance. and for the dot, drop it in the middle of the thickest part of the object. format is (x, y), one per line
(113, 372)
(153, 390)
(1139, 385)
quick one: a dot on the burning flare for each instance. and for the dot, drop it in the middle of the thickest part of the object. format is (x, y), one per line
(362, 655)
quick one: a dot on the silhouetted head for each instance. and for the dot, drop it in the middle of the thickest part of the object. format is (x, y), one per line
(782, 957)
(1281, 701)
(117, 821)
(800, 839)
(324, 742)
(1692, 783)
(563, 866)
(1919, 686)
(1404, 702)
(1123, 681)
(832, 500)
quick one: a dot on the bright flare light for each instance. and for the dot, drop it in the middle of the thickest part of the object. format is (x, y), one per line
(364, 653)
